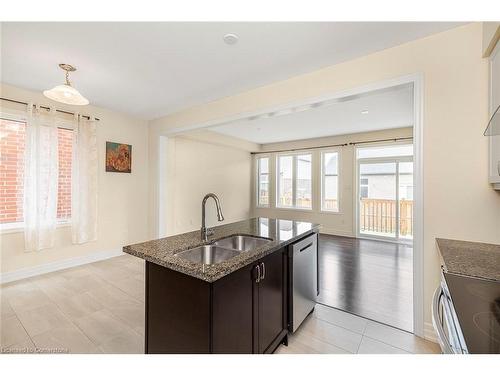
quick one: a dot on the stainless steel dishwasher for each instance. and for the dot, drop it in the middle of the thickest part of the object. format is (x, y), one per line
(303, 276)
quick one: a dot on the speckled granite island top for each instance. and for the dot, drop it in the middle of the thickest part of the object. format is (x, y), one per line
(470, 258)
(163, 250)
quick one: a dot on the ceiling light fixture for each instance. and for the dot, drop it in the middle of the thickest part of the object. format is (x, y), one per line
(318, 104)
(364, 112)
(66, 93)
(230, 39)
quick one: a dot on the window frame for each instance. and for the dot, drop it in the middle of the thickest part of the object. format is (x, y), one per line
(294, 156)
(322, 178)
(18, 226)
(257, 195)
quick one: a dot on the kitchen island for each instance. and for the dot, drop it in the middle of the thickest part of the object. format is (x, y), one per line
(228, 294)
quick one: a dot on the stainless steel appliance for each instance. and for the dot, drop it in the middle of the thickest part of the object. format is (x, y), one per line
(466, 314)
(303, 275)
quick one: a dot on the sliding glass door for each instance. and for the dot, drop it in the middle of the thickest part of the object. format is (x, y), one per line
(385, 194)
(405, 197)
(377, 199)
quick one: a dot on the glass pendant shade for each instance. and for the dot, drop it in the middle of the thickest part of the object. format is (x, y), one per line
(493, 127)
(66, 94)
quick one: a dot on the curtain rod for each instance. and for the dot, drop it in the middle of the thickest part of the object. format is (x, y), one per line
(337, 145)
(44, 107)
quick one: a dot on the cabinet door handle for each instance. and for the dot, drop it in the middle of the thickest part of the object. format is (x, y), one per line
(263, 271)
(258, 274)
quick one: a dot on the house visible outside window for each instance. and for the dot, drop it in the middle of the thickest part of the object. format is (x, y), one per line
(330, 181)
(263, 181)
(12, 140)
(12, 149)
(363, 188)
(285, 181)
(294, 181)
(303, 182)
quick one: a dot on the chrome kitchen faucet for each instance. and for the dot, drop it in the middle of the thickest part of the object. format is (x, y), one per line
(205, 232)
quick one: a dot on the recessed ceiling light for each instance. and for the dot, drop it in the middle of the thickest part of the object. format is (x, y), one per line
(230, 39)
(364, 112)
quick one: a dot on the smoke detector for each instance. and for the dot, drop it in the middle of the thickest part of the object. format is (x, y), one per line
(230, 39)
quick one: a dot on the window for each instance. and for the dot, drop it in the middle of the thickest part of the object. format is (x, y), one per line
(65, 150)
(363, 188)
(385, 177)
(263, 182)
(304, 182)
(12, 147)
(294, 181)
(12, 138)
(330, 181)
(285, 181)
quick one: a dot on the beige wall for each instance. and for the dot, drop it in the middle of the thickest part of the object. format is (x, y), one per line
(195, 168)
(342, 222)
(491, 33)
(458, 201)
(209, 136)
(122, 212)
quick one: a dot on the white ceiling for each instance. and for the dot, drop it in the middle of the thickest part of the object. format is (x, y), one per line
(152, 69)
(387, 109)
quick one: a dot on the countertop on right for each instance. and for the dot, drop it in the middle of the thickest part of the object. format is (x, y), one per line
(467, 258)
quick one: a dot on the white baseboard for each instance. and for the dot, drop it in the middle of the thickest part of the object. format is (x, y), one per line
(24, 273)
(335, 232)
(429, 332)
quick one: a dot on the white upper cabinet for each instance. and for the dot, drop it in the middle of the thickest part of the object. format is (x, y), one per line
(494, 141)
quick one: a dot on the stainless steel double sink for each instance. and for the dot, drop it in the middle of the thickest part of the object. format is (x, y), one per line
(223, 249)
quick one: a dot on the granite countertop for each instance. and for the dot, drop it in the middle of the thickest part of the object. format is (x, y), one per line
(163, 250)
(470, 258)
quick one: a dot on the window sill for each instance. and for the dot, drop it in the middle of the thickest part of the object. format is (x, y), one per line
(328, 212)
(19, 227)
(309, 210)
(295, 209)
(11, 227)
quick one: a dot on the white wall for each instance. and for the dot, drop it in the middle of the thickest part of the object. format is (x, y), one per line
(458, 201)
(339, 223)
(195, 168)
(122, 211)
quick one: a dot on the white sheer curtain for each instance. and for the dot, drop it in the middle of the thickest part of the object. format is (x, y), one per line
(84, 182)
(40, 179)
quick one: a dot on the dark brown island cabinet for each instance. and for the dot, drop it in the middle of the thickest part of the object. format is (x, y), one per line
(243, 312)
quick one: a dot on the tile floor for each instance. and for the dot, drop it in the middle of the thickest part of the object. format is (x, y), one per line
(331, 331)
(99, 308)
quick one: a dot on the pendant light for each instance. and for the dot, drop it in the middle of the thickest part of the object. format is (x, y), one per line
(66, 93)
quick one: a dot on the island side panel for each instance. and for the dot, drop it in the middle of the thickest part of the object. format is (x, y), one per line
(177, 312)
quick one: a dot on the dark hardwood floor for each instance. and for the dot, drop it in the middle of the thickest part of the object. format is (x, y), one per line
(373, 279)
